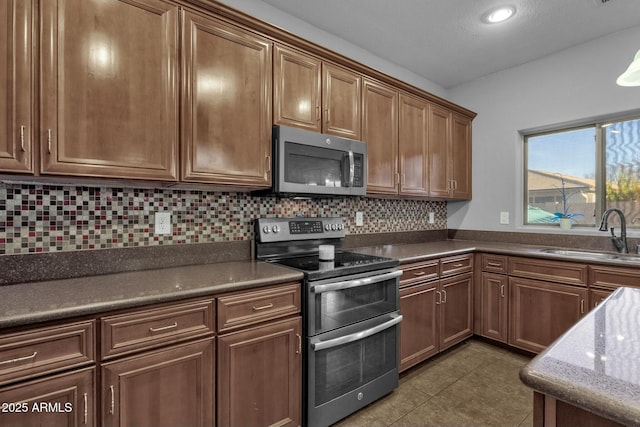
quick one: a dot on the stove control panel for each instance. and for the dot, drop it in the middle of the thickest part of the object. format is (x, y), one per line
(285, 229)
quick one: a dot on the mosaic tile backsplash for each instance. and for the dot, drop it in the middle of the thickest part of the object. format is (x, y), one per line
(49, 218)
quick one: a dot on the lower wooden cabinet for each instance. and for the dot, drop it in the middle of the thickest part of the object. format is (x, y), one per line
(494, 307)
(456, 317)
(65, 400)
(419, 335)
(259, 375)
(436, 314)
(542, 311)
(169, 387)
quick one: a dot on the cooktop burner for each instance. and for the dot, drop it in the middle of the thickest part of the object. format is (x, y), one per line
(344, 263)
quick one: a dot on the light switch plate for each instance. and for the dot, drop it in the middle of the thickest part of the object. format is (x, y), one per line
(432, 217)
(163, 223)
(504, 218)
(359, 219)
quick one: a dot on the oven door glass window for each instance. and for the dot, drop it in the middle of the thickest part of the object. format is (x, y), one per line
(341, 368)
(345, 301)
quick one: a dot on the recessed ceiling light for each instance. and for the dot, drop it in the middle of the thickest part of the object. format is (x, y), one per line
(500, 14)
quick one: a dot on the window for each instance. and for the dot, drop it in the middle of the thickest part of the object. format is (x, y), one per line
(581, 172)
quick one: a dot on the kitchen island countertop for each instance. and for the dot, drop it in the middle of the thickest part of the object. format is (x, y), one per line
(595, 365)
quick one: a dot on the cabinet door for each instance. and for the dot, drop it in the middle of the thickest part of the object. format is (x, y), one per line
(440, 184)
(16, 94)
(380, 132)
(460, 155)
(419, 334)
(539, 312)
(66, 400)
(169, 387)
(226, 104)
(341, 102)
(296, 89)
(596, 296)
(456, 313)
(413, 146)
(260, 372)
(109, 88)
(494, 306)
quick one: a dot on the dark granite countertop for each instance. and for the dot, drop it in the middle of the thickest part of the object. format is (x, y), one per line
(29, 303)
(415, 252)
(595, 365)
(39, 301)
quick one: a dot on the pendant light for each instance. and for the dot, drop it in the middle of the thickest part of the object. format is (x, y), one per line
(631, 77)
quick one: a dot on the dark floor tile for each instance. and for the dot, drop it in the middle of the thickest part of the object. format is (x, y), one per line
(472, 384)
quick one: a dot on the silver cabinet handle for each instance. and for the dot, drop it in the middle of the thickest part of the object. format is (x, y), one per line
(299, 349)
(458, 265)
(581, 306)
(494, 264)
(20, 359)
(49, 140)
(22, 137)
(439, 300)
(444, 296)
(164, 328)
(502, 291)
(263, 307)
(420, 273)
(336, 286)
(112, 408)
(323, 345)
(86, 409)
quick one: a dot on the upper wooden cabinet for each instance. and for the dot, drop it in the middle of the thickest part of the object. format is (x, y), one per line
(449, 154)
(314, 95)
(108, 75)
(341, 102)
(226, 104)
(380, 132)
(413, 146)
(16, 94)
(297, 89)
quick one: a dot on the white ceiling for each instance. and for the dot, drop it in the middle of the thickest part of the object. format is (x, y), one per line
(446, 42)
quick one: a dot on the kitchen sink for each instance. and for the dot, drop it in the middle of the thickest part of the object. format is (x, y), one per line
(594, 255)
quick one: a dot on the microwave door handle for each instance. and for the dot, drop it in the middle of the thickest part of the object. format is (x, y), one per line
(352, 168)
(347, 284)
(324, 345)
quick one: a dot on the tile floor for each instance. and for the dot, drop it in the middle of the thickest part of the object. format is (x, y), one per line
(472, 384)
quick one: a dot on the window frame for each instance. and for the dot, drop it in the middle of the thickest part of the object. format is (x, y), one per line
(599, 127)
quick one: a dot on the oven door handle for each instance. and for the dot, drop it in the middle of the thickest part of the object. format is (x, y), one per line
(324, 345)
(337, 286)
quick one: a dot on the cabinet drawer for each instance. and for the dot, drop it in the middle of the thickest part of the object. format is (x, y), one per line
(456, 265)
(144, 329)
(494, 263)
(250, 307)
(45, 350)
(419, 272)
(612, 278)
(552, 271)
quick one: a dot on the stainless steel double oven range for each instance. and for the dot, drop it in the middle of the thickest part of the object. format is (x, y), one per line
(350, 315)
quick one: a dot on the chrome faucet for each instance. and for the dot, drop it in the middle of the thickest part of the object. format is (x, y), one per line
(619, 242)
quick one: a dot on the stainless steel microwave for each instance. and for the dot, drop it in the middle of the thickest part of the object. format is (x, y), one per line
(315, 164)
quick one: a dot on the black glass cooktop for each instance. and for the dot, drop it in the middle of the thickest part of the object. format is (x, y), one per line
(344, 263)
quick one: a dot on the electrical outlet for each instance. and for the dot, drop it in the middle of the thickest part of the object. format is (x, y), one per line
(504, 218)
(163, 222)
(359, 219)
(432, 218)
